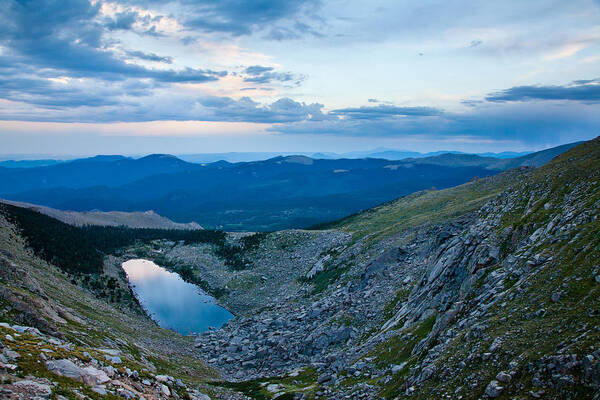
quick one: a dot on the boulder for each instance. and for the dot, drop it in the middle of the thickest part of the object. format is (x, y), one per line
(33, 388)
(10, 354)
(164, 378)
(100, 390)
(274, 387)
(89, 375)
(398, 367)
(493, 389)
(92, 376)
(195, 395)
(110, 370)
(65, 368)
(318, 267)
(164, 389)
(503, 377)
(128, 394)
(114, 359)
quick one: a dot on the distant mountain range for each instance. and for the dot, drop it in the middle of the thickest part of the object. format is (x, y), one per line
(233, 157)
(386, 154)
(28, 163)
(282, 192)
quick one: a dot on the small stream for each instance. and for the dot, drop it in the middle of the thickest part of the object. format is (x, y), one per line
(172, 302)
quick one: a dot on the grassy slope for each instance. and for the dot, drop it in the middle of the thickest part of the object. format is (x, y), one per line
(432, 206)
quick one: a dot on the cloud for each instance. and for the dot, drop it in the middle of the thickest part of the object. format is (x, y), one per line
(281, 33)
(242, 17)
(56, 60)
(269, 77)
(284, 110)
(135, 21)
(22, 84)
(65, 37)
(298, 30)
(532, 123)
(149, 56)
(385, 111)
(123, 20)
(529, 114)
(78, 61)
(265, 75)
(504, 117)
(582, 90)
(471, 103)
(53, 95)
(73, 102)
(257, 70)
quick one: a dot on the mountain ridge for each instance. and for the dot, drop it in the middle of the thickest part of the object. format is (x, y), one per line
(252, 195)
(144, 219)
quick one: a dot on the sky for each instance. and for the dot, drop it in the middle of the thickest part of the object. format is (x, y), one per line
(197, 76)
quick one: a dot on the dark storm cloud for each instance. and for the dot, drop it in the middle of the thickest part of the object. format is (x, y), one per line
(385, 111)
(582, 90)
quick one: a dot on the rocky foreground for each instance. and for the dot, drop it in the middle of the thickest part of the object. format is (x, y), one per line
(103, 372)
(487, 290)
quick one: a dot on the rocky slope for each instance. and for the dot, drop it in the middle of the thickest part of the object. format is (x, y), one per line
(486, 290)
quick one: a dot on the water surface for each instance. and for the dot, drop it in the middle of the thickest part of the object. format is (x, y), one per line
(172, 302)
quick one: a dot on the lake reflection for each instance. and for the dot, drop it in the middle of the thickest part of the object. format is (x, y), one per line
(172, 302)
